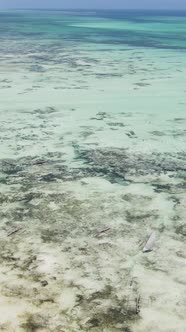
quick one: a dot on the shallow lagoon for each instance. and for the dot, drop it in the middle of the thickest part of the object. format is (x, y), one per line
(93, 133)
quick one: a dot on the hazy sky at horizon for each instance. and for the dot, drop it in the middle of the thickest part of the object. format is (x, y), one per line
(110, 4)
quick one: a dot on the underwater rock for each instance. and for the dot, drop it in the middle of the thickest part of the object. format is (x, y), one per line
(33, 322)
(9, 167)
(100, 116)
(116, 124)
(158, 188)
(44, 283)
(181, 229)
(123, 163)
(157, 133)
(48, 177)
(37, 68)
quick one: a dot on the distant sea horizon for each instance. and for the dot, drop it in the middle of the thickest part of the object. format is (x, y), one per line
(103, 9)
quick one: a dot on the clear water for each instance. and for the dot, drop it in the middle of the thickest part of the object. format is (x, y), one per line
(92, 161)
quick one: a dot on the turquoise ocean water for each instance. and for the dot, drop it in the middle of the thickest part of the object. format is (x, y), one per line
(101, 61)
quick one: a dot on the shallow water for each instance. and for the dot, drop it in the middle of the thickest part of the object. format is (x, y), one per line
(92, 161)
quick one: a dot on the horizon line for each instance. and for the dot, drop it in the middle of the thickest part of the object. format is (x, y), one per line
(106, 9)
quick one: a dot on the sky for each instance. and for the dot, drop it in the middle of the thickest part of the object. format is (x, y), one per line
(105, 4)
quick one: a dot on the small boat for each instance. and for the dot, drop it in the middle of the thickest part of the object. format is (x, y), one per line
(150, 243)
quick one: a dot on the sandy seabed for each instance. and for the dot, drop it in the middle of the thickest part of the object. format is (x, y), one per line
(92, 162)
